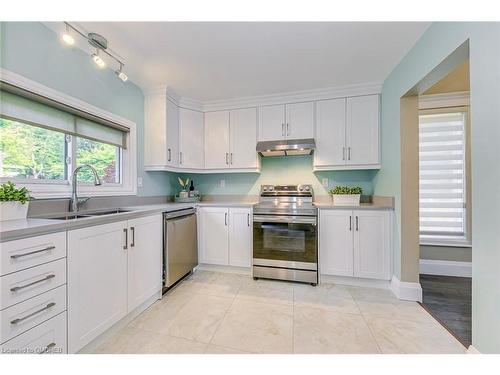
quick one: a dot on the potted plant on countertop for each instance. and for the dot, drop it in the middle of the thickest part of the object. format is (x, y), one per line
(346, 195)
(14, 202)
(184, 184)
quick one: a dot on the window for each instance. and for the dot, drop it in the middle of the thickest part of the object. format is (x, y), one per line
(443, 177)
(45, 135)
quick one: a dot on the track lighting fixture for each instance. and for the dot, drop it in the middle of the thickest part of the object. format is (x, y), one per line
(100, 44)
(121, 74)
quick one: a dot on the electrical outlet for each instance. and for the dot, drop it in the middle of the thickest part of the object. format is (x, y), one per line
(325, 183)
(222, 184)
(139, 182)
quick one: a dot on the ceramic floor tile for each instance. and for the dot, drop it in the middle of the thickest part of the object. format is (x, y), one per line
(198, 319)
(257, 327)
(322, 331)
(213, 283)
(164, 344)
(128, 340)
(267, 291)
(404, 336)
(396, 309)
(214, 349)
(371, 294)
(327, 296)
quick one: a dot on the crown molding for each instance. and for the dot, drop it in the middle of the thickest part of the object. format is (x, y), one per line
(452, 99)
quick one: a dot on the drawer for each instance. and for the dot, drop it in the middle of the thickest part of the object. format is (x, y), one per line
(46, 338)
(28, 314)
(29, 252)
(20, 286)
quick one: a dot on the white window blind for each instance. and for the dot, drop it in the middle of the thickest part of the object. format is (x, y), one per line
(442, 176)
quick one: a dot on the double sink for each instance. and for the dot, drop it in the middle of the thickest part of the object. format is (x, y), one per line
(72, 216)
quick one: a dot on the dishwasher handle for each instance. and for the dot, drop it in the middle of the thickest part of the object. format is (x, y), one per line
(178, 214)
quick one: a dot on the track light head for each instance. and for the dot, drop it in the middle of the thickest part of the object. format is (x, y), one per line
(67, 37)
(119, 72)
(98, 60)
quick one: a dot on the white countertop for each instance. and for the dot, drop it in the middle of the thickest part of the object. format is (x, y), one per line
(362, 206)
(16, 229)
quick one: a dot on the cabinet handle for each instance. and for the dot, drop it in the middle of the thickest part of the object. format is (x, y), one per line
(48, 347)
(125, 247)
(350, 223)
(343, 153)
(180, 157)
(248, 219)
(48, 248)
(19, 320)
(357, 226)
(348, 153)
(48, 277)
(169, 155)
(283, 129)
(225, 219)
(231, 159)
(287, 129)
(227, 163)
(132, 229)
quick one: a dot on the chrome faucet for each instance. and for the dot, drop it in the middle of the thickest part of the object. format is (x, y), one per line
(75, 202)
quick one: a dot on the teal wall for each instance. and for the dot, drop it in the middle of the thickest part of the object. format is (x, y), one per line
(34, 51)
(279, 170)
(434, 46)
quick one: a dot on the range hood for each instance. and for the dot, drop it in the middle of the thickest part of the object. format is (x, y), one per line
(288, 147)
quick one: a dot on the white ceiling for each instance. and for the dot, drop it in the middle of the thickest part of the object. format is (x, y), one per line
(211, 61)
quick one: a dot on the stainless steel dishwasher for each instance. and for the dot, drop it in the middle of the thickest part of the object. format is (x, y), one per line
(180, 245)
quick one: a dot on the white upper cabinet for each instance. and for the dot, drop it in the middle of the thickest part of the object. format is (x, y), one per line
(362, 135)
(217, 140)
(161, 131)
(347, 133)
(299, 120)
(272, 122)
(191, 139)
(330, 133)
(243, 136)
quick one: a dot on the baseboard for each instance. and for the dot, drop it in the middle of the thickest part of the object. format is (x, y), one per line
(354, 281)
(472, 350)
(247, 271)
(407, 291)
(445, 268)
(94, 344)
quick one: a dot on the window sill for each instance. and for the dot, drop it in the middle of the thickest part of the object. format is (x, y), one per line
(445, 243)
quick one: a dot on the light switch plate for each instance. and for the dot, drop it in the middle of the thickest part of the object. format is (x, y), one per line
(139, 182)
(324, 182)
(222, 184)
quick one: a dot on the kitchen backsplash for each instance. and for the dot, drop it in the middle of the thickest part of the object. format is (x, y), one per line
(277, 170)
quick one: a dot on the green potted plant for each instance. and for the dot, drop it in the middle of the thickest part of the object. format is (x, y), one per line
(346, 195)
(184, 185)
(13, 202)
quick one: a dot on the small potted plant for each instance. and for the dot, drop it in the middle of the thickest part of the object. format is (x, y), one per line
(13, 202)
(346, 196)
(184, 184)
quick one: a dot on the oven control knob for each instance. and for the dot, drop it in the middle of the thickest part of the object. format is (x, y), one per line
(271, 188)
(264, 188)
(301, 188)
(308, 188)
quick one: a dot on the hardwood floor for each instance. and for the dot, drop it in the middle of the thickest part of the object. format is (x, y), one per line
(449, 299)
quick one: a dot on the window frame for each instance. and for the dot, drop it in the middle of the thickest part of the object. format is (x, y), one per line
(41, 189)
(466, 241)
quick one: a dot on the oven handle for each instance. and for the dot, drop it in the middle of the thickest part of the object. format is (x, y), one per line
(284, 219)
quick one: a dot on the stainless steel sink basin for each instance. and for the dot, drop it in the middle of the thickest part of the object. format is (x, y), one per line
(82, 215)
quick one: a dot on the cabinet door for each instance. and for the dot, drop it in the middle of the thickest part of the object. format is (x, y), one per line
(155, 129)
(362, 136)
(144, 259)
(272, 122)
(330, 133)
(243, 138)
(240, 236)
(191, 139)
(214, 235)
(335, 242)
(372, 252)
(217, 140)
(300, 120)
(172, 134)
(97, 281)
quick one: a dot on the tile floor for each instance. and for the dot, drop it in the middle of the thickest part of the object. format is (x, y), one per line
(223, 313)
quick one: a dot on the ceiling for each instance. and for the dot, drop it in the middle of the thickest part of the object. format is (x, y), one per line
(211, 61)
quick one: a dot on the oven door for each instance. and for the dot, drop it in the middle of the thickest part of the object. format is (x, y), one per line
(285, 241)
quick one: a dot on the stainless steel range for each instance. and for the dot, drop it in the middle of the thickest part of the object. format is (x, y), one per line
(285, 244)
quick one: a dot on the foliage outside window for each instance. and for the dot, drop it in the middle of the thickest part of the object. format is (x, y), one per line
(34, 153)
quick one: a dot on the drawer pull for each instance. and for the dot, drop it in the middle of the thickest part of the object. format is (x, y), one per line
(16, 288)
(48, 347)
(48, 248)
(19, 320)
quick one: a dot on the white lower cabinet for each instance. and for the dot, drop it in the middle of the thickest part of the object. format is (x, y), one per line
(112, 269)
(225, 236)
(355, 243)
